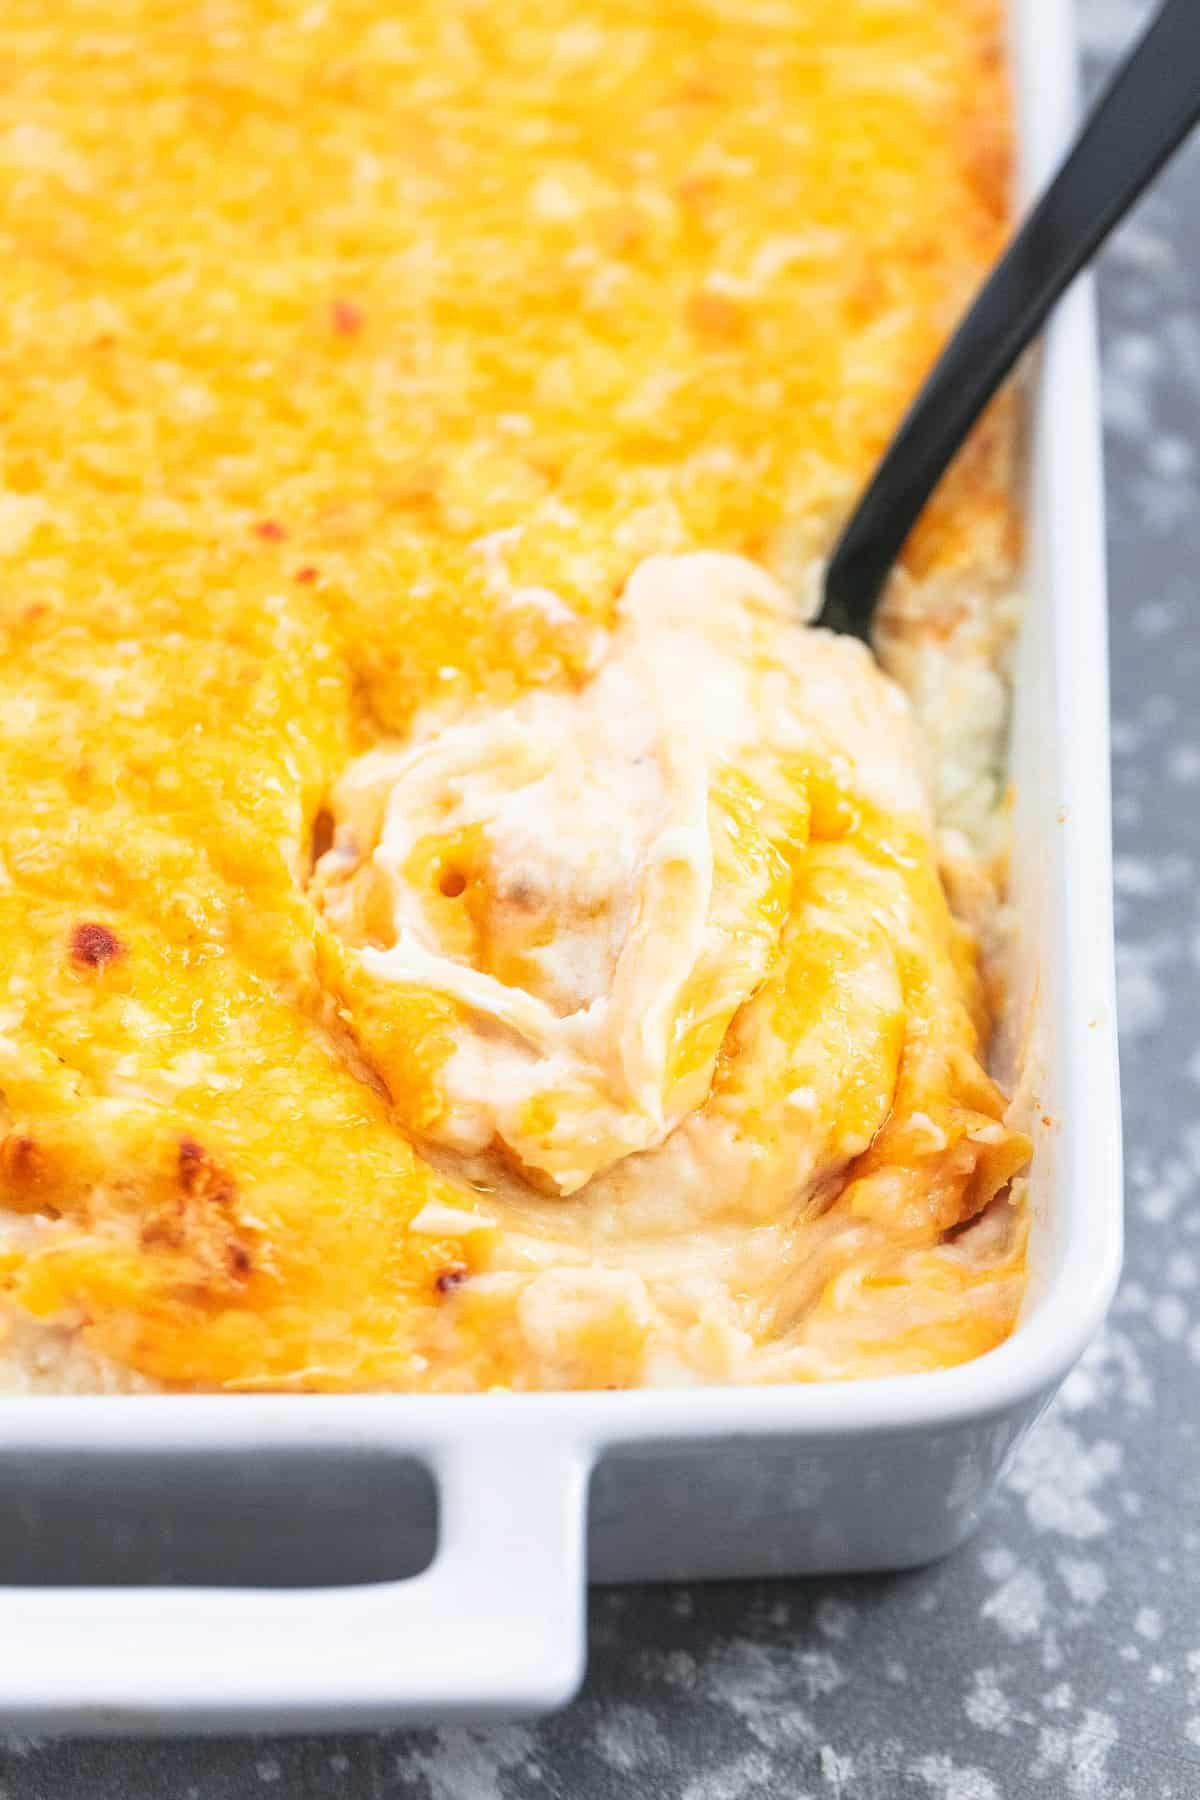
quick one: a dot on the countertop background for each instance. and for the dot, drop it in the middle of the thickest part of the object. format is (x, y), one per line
(1058, 1656)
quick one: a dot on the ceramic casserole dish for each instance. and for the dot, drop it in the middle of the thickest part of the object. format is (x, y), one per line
(324, 1626)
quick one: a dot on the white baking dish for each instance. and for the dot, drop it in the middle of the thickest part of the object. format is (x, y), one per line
(877, 1474)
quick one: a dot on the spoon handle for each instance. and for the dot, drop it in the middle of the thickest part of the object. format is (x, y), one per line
(1151, 104)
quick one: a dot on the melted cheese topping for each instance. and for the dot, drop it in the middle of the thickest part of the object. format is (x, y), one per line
(361, 366)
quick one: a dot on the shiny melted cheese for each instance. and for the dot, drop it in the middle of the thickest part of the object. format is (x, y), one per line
(360, 364)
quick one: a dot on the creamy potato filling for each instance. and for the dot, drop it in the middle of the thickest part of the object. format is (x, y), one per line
(599, 879)
(591, 877)
(660, 970)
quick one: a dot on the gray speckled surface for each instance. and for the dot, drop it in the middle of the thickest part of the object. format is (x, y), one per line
(1058, 1657)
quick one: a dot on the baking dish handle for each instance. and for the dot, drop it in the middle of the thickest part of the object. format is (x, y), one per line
(494, 1627)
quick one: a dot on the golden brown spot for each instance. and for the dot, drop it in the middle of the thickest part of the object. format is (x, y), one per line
(347, 317)
(199, 1220)
(307, 574)
(451, 1277)
(200, 1175)
(165, 1231)
(94, 945)
(270, 530)
(322, 835)
(28, 1176)
(239, 1261)
(22, 1161)
(452, 883)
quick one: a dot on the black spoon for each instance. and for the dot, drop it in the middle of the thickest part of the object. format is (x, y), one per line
(1148, 109)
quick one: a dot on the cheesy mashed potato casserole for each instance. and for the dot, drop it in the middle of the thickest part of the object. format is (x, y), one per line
(459, 927)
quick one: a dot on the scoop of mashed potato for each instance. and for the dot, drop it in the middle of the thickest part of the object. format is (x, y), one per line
(662, 962)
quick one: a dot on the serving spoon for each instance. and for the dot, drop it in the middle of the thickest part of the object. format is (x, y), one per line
(1142, 117)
